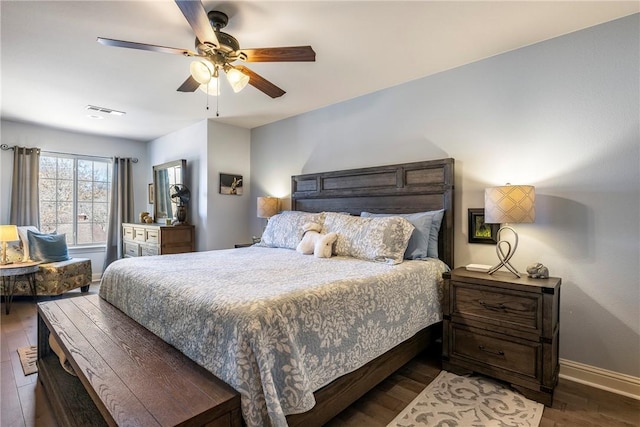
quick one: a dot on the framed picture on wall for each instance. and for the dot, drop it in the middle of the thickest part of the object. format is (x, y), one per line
(231, 184)
(150, 193)
(479, 231)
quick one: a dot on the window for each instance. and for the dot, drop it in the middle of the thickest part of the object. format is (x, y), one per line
(74, 197)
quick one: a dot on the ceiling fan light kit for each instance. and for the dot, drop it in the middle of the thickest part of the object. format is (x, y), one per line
(212, 88)
(217, 51)
(202, 71)
(237, 79)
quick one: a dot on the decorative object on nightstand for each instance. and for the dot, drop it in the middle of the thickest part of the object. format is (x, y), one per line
(504, 205)
(8, 233)
(503, 327)
(537, 271)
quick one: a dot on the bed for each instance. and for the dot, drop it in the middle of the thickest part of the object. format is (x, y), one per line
(287, 330)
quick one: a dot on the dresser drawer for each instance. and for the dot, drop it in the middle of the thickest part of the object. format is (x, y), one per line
(139, 234)
(508, 308)
(127, 233)
(501, 352)
(152, 236)
(131, 249)
(147, 250)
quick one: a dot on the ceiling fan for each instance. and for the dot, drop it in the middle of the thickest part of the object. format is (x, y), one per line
(217, 51)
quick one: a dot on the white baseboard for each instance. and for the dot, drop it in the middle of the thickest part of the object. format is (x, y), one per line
(614, 382)
(95, 277)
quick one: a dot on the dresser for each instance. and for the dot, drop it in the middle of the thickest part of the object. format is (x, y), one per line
(156, 239)
(503, 327)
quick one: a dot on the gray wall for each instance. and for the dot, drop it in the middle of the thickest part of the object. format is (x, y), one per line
(561, 115)
(209, 149)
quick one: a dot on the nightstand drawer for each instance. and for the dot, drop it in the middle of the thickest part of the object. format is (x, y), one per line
(498, 351)
(508, 308)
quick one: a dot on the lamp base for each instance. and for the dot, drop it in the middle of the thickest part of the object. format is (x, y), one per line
(3, 260)
(505, 257)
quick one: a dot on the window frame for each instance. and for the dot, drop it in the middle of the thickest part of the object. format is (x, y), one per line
(75, 158)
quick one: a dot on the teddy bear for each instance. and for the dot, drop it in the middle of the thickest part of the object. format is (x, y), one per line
(320, 245)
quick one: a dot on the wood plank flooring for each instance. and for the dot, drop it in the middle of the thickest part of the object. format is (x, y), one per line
(24, 404)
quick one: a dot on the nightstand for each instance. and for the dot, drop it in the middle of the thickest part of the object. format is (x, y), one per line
(503, 327)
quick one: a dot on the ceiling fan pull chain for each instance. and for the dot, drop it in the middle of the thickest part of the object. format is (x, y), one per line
(217, 101)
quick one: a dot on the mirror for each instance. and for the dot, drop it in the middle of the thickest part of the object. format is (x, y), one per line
(164, 176)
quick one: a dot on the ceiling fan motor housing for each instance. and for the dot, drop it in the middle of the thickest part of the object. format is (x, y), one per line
(228, 43)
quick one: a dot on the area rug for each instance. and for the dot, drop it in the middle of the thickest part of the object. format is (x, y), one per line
(469, 401)
(28, 357)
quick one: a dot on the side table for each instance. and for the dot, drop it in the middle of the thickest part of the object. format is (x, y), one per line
(9, 273)
(503, 327)
(242, 245)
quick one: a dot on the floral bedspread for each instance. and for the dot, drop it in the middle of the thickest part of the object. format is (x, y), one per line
(272, 323)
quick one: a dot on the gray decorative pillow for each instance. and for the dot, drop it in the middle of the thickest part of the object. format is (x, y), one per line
(424, 240)
(380, 239)
(284, 230)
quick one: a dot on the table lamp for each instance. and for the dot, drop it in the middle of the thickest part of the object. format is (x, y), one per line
(504, 205)
(8, 233)
(268, 206)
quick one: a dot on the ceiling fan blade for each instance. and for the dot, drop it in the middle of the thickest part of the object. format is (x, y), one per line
(280, 54)
(196, 16)
(143, 46)
(189, 85)
(261, 83)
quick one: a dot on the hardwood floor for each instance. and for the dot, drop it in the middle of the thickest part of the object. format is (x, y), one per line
(24, 403)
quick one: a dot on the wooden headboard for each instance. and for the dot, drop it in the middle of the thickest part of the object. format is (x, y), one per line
(405, 188)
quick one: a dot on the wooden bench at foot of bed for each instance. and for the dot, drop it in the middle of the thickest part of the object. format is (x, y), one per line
(125, 374)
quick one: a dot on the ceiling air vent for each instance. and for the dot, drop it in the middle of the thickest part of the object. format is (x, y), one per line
(105, 110)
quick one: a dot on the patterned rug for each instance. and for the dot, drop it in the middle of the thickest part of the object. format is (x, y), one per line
(451, 400)
(28, 357)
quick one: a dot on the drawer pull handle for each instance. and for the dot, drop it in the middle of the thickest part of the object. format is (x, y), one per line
(486, 350)
(495, 307)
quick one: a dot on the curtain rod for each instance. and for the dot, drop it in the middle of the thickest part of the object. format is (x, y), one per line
(5, 147)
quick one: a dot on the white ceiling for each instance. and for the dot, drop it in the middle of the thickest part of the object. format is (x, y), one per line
(52, 67)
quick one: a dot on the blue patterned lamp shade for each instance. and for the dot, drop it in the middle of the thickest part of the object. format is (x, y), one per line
(510, 204)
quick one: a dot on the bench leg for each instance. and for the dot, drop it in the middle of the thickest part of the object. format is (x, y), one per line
(84, 288)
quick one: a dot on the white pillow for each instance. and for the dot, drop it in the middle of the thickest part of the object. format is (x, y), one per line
(22, 232)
